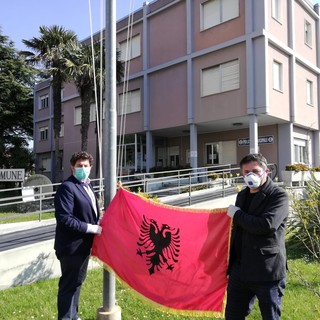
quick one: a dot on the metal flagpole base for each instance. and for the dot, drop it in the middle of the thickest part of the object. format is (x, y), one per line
(114, 314)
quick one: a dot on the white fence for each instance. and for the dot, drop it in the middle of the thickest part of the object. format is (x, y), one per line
(39, 199)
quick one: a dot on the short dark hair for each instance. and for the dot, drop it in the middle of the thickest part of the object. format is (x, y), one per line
(255, 157)
(81, 155)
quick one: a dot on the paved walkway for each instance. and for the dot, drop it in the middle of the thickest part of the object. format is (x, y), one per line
(216, 203)
(20, 226)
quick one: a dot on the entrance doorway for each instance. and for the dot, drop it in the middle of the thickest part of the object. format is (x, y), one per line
(222, 152)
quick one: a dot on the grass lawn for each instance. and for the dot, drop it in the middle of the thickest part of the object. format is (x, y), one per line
(24, 217)
(38, 300)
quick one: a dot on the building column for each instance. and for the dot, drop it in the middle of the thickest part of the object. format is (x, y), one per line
(52, 148)
(285, 145)
(149, 151)
(146, 89)
(316, 135)
(253, 131)
(316, 149)
(193, 146)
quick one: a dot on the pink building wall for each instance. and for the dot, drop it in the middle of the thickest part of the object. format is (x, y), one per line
(228, 30)
(223, 105)
(168, 97)
(135, 64)
(307, 52)
(168, 75)
(278, 28)
(279, 101)
(167, 38)
(305, 114)
(134, 121)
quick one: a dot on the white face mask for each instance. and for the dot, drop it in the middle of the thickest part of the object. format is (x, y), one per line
(252, 180)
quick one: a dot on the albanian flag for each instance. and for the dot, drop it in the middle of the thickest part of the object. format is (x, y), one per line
(175, 257)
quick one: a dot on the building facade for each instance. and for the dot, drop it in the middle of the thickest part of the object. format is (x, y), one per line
(208, 82)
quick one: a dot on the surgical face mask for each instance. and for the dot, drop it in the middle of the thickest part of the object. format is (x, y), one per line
(252, 180)
(82, 173)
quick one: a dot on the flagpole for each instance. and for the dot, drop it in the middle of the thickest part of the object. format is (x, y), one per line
(109, 310)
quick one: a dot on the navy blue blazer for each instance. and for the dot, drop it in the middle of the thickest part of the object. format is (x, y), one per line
(73, 211)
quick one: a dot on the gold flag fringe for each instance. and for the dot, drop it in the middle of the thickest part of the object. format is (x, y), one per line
(189, 313)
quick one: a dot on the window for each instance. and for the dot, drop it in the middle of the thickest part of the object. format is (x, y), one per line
(161, 155)
(43, 133)
(276, 9)
(309, 92)
(129, 102)
(212, 153)
(44, 101)
(277, 76)
(221, 78)
(62, 130)
(132, 151)
(215, 12)
(188, 156)
(300, 151)
(129, 155)
(92, 112)
(45, 165)
(173, 154)
(130, 49)
(307, 33)
(77, 115)
(60, 159)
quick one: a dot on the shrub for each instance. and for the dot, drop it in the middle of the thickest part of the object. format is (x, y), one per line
(304, 228)
(213, 175)
(296, 167)
(304, 222)
(148, 196)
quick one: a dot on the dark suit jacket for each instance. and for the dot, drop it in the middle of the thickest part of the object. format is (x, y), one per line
(263, 253)
(73, 210)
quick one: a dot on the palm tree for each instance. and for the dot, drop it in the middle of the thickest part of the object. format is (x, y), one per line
(83, 65)
(49, 50)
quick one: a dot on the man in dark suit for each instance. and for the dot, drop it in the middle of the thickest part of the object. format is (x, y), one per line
(77, 215)
(257, 264)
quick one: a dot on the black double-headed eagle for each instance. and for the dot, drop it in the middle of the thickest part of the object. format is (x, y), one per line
(160, 245)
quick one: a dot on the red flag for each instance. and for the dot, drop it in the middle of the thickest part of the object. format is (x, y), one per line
(175, 257)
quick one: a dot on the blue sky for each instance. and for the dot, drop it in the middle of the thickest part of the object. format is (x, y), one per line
(21, 19)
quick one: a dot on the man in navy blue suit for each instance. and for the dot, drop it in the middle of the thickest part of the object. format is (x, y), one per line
(77, 215)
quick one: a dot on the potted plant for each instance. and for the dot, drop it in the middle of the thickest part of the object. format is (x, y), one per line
(295, 174)
(315, 171)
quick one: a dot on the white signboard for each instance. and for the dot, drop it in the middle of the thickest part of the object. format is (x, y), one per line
(243, 142)
(27, 194)
(11, 174)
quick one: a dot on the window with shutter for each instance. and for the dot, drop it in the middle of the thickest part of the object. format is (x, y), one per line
(215, 12)
(221, 78)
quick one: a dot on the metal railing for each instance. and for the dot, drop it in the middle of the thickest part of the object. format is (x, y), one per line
(177, 187)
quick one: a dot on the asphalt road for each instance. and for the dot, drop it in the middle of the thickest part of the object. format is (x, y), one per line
(17, 239)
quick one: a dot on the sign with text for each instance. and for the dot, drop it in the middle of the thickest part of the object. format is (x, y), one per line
(243, 142)
(11, 174)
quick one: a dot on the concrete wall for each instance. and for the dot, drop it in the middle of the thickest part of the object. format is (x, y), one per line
(30, 263)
